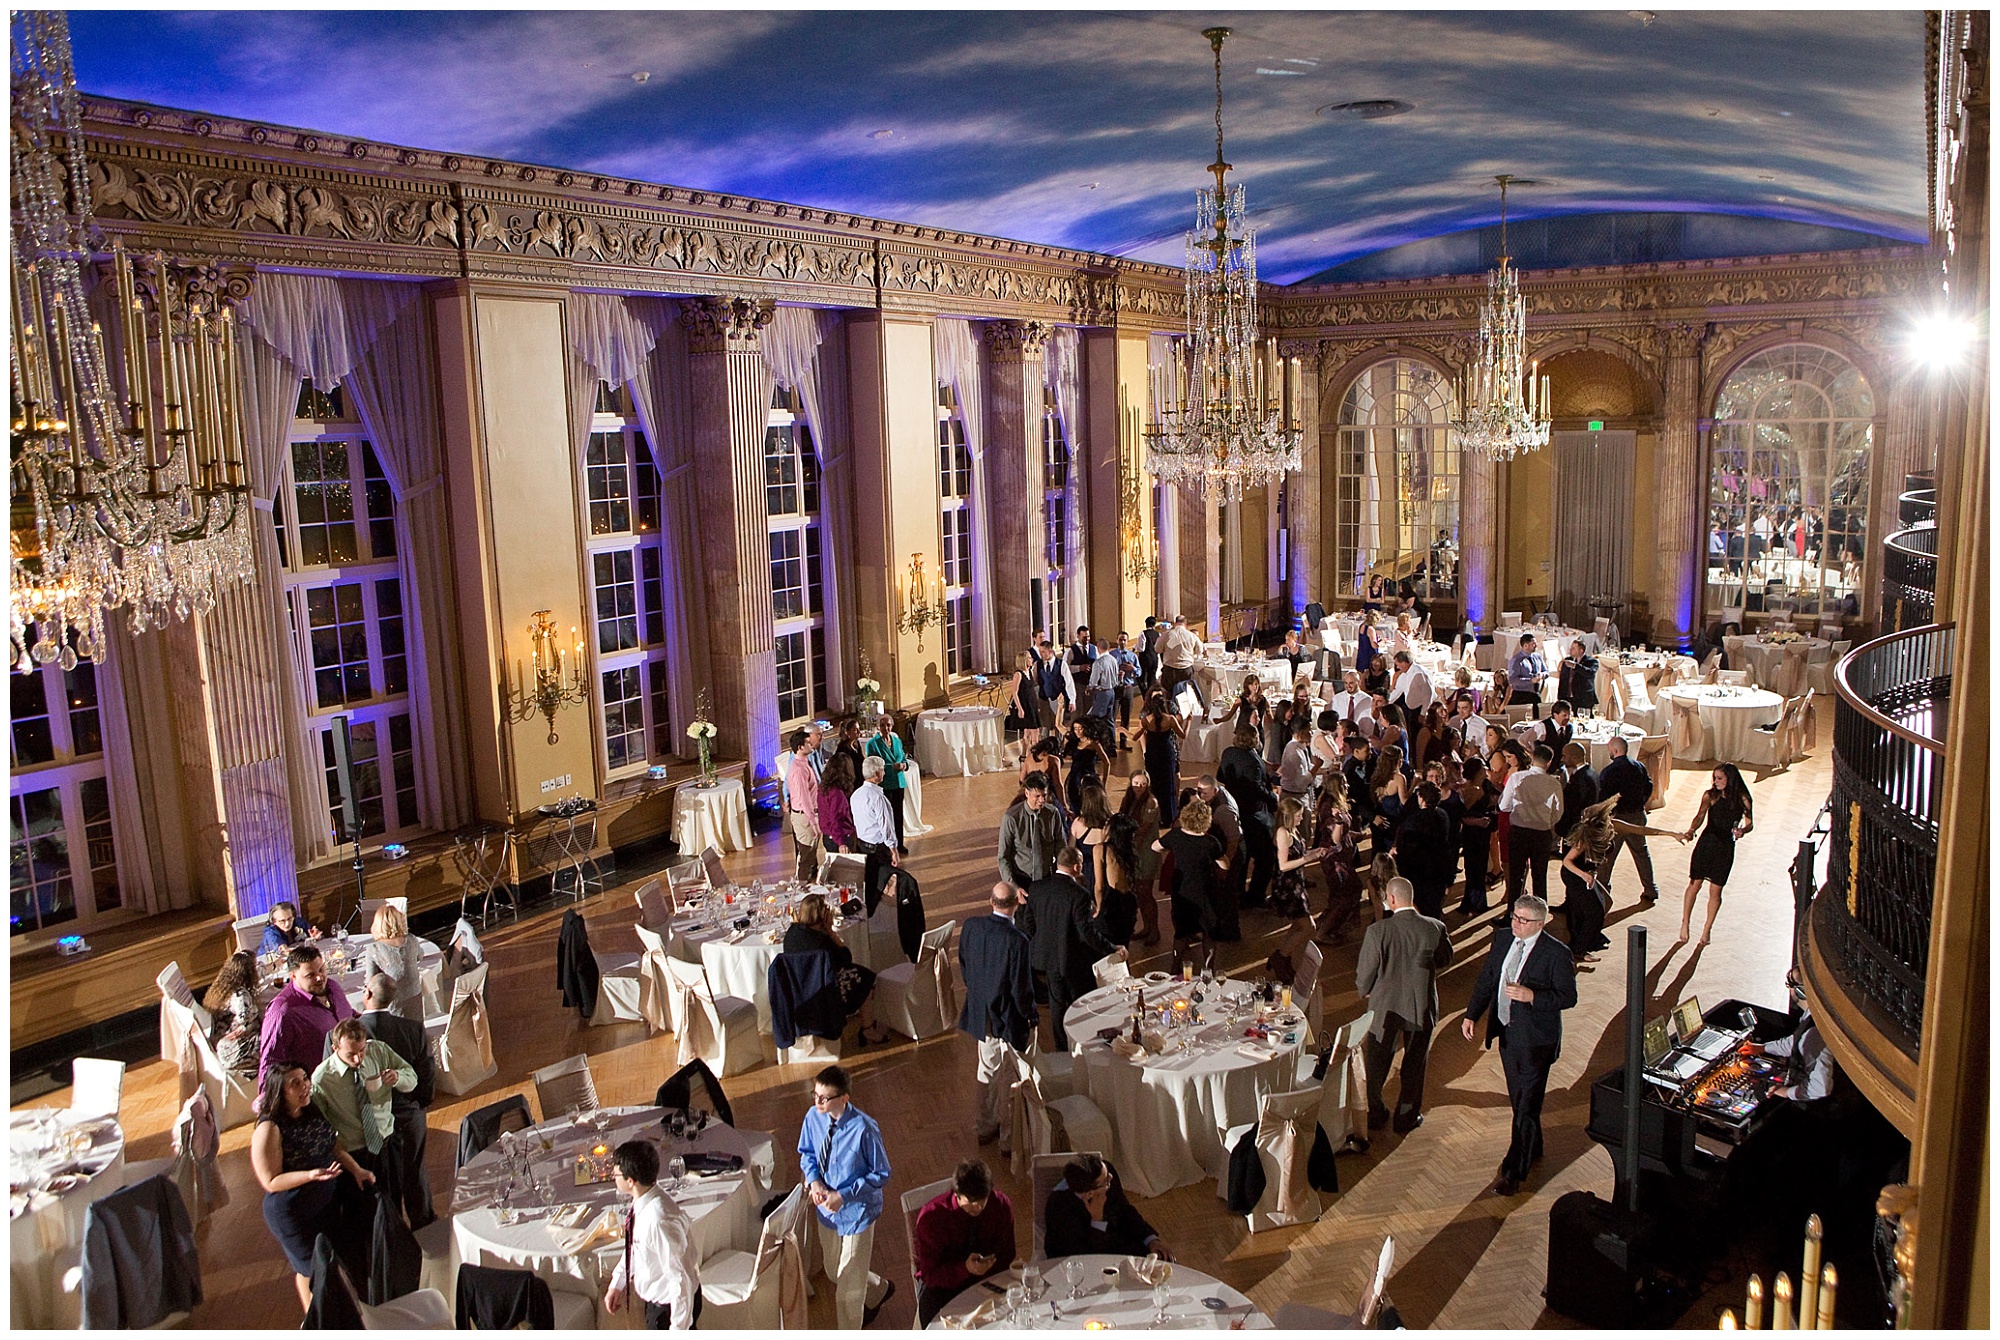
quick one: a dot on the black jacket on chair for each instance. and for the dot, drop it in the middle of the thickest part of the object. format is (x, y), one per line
(481, 1128)
(910, 920)
(395, 1261)
(576, 966)
(491, 1299)
(140, 1263)
(332, 1307)
(805, 997)
(678, 1090)
(1246, 1174)
(1061, 927)
(993, 957)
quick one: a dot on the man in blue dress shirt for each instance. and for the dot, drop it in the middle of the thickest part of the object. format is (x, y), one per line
(1526, 670)
(845, 1168)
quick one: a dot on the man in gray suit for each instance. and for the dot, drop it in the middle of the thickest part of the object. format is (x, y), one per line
(1401, 957)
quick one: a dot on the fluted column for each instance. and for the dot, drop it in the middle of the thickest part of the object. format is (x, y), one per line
(1015, 378)
(730, 393)
(1201, 557)
(1676, 597)
(1302, 489)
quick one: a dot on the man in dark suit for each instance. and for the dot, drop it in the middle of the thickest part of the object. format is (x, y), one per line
(1241, 772)
(1088, 1213)
(999, 1011)
(1579, 786)
(1628, 780)
(406, 1038)
(1528, 980)
(1576, 678)
(1401, 957)
(1062, 932)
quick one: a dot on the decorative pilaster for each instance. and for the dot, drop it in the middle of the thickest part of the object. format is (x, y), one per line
(1015, 379)
(730, 396)
(1201, 557)
(1479, 536)
(1302, 489)
(1676, 595)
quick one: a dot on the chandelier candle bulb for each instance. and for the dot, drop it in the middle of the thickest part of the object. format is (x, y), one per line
(1753, 1305)
(1827, 1282)
(1809, 1274)
(1781, 1303)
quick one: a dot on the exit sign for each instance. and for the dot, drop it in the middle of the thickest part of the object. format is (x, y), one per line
(1596, 425)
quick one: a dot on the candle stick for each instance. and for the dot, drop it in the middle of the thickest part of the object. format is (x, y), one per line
(1753, 1306)
(1827, 1281)
(1809, 1275)
(1781, 1303)
(1728, 1322)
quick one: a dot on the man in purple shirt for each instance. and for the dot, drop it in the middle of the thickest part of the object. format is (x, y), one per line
(297, 1021)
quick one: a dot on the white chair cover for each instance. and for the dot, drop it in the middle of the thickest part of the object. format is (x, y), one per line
(721, 1031)
(1656, 752)
(250, 931)
(174, 1044)
(369, 906)
(97, 1087)
(424, 1310)
(711, 862)
(1029, 1129)
(1685, 728)
(231, 1096)
(1285, 1126)
(463, 1053)
(913, 1202)
(564, 1087)
(1683, 669)
(656, 985)
(197, 1140)
(765, 1289)
(1343, 1094)
(656, 910)
(920, 1000)
(1305, 988)
(617, 989)
(1740, 678)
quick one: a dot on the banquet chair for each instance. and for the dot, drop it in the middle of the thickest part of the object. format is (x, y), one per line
(1739, 678)
(765, 1289)
(141, 1227)
(617, 982)
(1304, 1317)
(463, 1052)
(1516, 714)
(1711, 665)
(1551, 690)
(1045, 1174)
(232, 1095)
(720, 1030)
(1831, 629)
(369, 906)
(1343, 1094)
(566, 1309)
(1683, 669)
(191, 1167)
(483, 1126)
(250, 931)
(1656, 754)
(711, 864)
(1819, 674)
(1684, 727)
(174, 1043)
(565, 1087)
(1730, 616)
(1640, 709)
(919, 1000)
(685, 878)
(1305, 989)
(1732, 651)
(656, 910)
(97, 1087)
(913, 1202)
(657, 996)
(1111, 969)
(1284, 1133)
(1072, 1122)
(1510, 619)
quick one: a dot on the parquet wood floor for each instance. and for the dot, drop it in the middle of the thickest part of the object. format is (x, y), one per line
(1466, 1258)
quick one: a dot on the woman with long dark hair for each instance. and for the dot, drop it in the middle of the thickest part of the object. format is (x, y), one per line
(836, 814)
(1335, 827)
(1143, 809)
(298, 1161)
(1088, 832)
(1726, 808)
(1288, 890)
(232, 1002)
(1477, 798)
(1089, 758)
(1161, 731)
(1116, 908)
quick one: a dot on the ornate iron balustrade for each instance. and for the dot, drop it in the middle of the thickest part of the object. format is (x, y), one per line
(1909, 578)
(1888, 773)
(1917, 505)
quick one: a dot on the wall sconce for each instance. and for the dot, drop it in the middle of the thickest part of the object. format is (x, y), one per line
(556, 681)
(1141, 560)
(921, 600)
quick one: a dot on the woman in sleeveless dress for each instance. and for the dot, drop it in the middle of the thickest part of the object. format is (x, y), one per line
(1343, 884)
(1087, 833)
(1160, 734)
(300, 1164)
(1288, 889)
(1143, 809)
(1726, 808)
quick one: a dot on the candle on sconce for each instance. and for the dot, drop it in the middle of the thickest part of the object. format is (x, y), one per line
(1781, 1303)
(1753, 1306)
(1728, 1322)
(1827, 1282)
(1809, 1274)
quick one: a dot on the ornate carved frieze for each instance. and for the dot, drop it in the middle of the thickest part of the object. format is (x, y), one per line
(1016, 340)
(725, 325)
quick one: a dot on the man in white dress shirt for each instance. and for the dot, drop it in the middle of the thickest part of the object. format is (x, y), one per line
(874, 816)
(1179, 650)
(1535, 800)
(1411, 687)
(1351, 704)
(658, 1266)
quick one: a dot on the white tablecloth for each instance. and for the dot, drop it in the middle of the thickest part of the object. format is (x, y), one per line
(1206, 740)
(47, 1236)
(960, 741)
(1728, 714)
(1168, 1115)
(1597, 735)
(1765, 660)
(1110, 1293)
(344, 966)
(722, 1207)
(740, 964)
(711, 816)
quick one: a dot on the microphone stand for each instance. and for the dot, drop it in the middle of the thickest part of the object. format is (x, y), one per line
(360, 883)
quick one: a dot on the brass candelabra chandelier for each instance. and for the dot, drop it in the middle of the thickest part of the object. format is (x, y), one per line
(557, 680)
(1505, 404)
(125, 490)
(920, 600)
(1225, 410)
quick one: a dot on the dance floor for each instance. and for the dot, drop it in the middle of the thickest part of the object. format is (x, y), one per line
(1466, 1258)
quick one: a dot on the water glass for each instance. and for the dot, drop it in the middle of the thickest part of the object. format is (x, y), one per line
(1017, 1300)
(1159, 1302)
(1032, 1281)
(1073, 1275)
(677, 1171)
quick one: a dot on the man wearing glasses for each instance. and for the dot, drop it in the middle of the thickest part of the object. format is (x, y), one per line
(845, 1168)
(1528, 980)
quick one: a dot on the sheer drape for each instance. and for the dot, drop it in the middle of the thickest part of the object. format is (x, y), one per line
(803, 350)
(123, 769)
(958, 368)
(1167, 525)
(1062, 370)
(1593, 496)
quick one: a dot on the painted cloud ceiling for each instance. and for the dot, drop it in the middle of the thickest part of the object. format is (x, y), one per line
(1092, 129)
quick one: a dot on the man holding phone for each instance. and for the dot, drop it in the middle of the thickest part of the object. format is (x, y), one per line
(962, 1236)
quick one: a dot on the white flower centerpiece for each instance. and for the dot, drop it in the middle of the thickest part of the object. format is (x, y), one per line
(702, 731)
(868, 692)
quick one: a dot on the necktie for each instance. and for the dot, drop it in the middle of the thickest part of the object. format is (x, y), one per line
(826, 1153)
(369, 1135)
(631, 1213)
(1510, 973)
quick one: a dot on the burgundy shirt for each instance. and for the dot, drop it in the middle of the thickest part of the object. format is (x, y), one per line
(296, 1025)
(836, 818)
(946, 1235)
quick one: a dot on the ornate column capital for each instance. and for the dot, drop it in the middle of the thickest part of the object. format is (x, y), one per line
(1306, 351)
(1682, 339)
(1017, 339)
(722, 325)
(193, 288)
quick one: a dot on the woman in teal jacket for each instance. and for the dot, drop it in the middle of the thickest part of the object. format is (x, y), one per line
(888, 746)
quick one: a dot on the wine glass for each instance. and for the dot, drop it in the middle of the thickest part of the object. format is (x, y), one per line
(545, 1191)
(1160, 1295)
(1032, 1281)
(677, 1171)
(1073, 1275)
(1017, 1300)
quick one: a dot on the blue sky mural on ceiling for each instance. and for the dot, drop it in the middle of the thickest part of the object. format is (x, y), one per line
(1092, 129)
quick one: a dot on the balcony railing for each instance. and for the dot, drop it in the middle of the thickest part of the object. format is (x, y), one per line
(1888, 772)
(1909, 578)
(1917, 505)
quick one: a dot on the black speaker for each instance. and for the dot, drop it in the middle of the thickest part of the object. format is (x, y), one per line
(1596, 1269)
(1035, 604)
(343, 766)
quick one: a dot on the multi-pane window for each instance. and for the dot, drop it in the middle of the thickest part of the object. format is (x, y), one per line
(955, 532)
(798, 605)
(63, 863)
(627, 589)
(1788, 487)
(1397, 481)
(1055, 520)
(336, 529)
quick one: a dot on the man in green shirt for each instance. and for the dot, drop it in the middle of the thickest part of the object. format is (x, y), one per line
(354, 1087)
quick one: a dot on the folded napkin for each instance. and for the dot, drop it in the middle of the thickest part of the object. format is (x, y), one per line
(1255, 1051)
(979, 1316)
(1128, 1049)
(608, 1228)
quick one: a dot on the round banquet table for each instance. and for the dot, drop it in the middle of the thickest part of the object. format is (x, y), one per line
(722, 1207)
(711, 816)
(960, 741)
(1108, 1292)
(1728, 714)
(344, 967)
(1168, 1112)
(1766, 660)
(1207, 738)
(739, 962)
(1596, 735)
(47, 1236)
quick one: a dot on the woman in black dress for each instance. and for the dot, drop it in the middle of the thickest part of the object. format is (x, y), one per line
(1088, 832)
(1198, 870)
(812, 931)
(1477, 797)
(1116, 904)
(1089, 760)
(1584, 901)
(1343, 882)
(1160, 736)
(1288, 890)
(298, 1161)
(1726, 807)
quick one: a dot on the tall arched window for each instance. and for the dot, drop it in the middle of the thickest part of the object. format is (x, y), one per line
(1397, 481)
(1788, 485)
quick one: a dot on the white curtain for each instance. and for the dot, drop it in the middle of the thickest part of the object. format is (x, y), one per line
(1167, 525)
(1593, 496)
(1063, 370)
(803, 349)
(140, 883)
(307, 319)
(958, 368)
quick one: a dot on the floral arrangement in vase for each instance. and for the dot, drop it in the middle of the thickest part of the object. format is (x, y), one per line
(702, 731)
(1782, 636)
(867, 689)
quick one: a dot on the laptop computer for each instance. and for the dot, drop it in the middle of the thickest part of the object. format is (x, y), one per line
(1695, 1035)
(1665, 1065)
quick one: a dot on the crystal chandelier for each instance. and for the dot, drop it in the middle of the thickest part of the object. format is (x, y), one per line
(123, 492)
(1506, 411)
(1225, 413)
